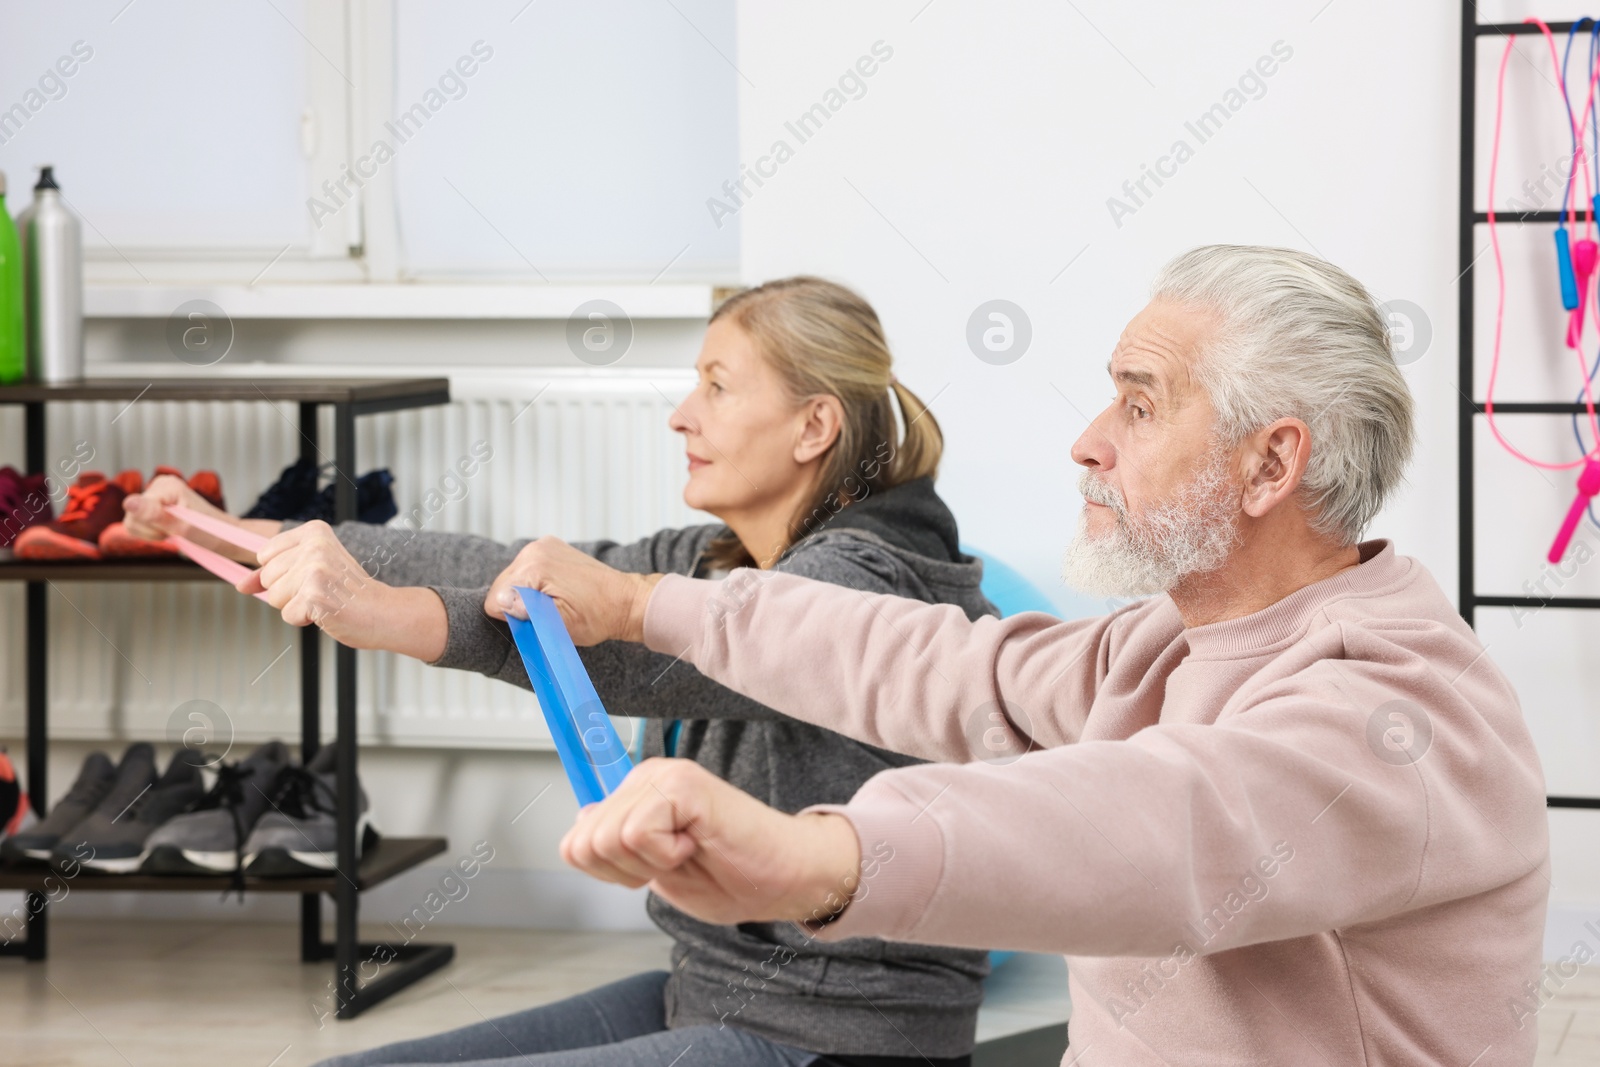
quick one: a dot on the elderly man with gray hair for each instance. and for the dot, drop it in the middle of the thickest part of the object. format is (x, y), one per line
(1285, 810)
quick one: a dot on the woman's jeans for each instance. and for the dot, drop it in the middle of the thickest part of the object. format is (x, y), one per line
(619, 1025)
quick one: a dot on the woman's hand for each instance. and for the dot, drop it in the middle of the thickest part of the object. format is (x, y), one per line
(145, 515)
(312, 579)
(714, 851)
(598, 603)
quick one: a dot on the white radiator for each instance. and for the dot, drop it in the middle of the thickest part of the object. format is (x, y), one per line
(578, 455)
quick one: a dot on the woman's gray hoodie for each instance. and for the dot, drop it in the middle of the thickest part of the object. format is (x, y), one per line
(859, 996)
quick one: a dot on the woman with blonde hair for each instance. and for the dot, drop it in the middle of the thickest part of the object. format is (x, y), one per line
(818, 462)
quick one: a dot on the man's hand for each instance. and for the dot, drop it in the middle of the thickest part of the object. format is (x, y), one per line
(713, 851)
(598, 603)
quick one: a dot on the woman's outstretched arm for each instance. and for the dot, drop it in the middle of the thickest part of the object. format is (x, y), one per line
(145, 515)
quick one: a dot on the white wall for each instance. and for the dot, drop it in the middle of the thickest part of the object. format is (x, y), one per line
(978, 165)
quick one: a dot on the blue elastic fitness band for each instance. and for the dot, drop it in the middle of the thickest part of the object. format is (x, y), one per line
(590, 750)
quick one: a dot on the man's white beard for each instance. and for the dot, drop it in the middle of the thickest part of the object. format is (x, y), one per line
(1189, 534)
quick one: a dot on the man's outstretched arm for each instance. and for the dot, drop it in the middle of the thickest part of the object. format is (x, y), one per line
(900, 674)
(911, 677)
(1279, 822)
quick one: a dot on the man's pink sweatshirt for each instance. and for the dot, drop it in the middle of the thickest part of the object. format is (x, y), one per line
(1311, 835)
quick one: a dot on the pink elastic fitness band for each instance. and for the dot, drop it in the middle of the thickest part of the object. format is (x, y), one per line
(230, 571)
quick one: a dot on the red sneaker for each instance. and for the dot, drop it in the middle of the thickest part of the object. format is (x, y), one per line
(92, 504)
(24, 502)
(117, 541)
(209, 485)
(13, 800)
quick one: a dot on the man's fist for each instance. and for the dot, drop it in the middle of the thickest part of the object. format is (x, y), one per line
(713, 851)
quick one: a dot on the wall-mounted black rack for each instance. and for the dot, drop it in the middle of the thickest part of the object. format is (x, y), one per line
(1469, 408)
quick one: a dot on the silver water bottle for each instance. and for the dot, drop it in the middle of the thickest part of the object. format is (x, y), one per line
(52, 265)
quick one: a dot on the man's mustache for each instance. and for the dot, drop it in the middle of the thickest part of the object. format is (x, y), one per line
(1098, 492)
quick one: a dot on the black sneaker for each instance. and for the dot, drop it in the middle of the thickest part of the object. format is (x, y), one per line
(113, 839)
(299, 835)
(209, 839)
(94, 781)
(295, 490)
(374, 500)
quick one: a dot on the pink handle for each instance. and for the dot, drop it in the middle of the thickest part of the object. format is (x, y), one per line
(1588, 487)
(1584, 255)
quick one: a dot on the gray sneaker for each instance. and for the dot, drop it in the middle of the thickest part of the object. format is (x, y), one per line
(210, 839)
(298, 836)
(94, 781)
(113, 840)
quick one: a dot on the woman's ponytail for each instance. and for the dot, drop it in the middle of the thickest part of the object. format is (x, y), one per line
(921, 440)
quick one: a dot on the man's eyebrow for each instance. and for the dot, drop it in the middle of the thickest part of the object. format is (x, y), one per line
(1136, 377)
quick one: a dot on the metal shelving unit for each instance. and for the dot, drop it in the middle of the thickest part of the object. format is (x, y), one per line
(350, 398)
(1469, 407)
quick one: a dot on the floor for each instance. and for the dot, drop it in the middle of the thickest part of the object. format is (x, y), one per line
(1569, 1025)
(176, 994)
(190, 994)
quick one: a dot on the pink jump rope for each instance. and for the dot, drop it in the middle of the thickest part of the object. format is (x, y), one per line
(1576, 263)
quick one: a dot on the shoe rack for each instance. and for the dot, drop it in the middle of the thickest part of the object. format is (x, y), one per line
(350, 399)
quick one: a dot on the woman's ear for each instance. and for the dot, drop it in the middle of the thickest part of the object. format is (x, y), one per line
(822, 417)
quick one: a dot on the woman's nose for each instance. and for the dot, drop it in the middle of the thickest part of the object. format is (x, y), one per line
(682, 420)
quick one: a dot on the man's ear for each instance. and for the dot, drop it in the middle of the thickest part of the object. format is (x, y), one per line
(1275, 460)
(822, 419)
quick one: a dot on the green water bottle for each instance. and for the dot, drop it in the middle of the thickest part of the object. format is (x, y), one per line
(13, 331)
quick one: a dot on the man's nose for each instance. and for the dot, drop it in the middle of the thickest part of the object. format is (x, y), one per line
(1093, 448)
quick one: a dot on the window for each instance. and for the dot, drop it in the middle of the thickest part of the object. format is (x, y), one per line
(585, 144)
(346, 140)
(171, 125)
